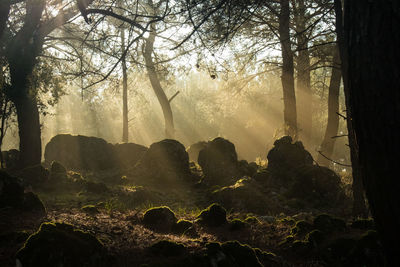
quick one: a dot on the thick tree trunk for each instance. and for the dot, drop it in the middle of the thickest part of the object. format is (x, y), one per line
(125, 127)
(155, 83)
(372, 41)
(4, 11)
(289, 97)
(304, 94)
(359, 207)
(332, 126)
(29, 131)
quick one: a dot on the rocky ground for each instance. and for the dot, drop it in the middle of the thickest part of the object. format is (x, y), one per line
(159, 209)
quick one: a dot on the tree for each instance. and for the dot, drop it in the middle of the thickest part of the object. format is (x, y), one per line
(370, 55)
(21, 47)
(289, 96)
(332, 126)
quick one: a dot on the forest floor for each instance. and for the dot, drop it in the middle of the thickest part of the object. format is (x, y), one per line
(114, 214)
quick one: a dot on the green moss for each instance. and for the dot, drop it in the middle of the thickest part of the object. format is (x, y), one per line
(287, 221)
(315, 237)
(213, 216)
(238, 225)
(60, 244)
(167, 248)
(159, 219)
(252, 220)
(287, 241)
(302, 228)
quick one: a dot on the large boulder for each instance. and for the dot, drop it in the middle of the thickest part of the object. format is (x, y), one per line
(194, 150)
(219, 163)
(12, 195)
(80, 152)
(213, 216)
(128, 154)
(60, 244)
(10, 158)
(164, 163)
(288, 155)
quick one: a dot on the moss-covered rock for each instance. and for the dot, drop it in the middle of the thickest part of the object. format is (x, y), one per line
(363, 224)
(182, 226)
(194, 150)
(327, 223)
(59, 244)
(95, 188)
(301, 247)
(213, 216)
(90, 209)
(231, 253)
(238, 225)
(245, 195)
(268, 258)
(159, 219)
(128, 154)
(12, 195)
(302, 228)
(252, 220)
(315, 238)
(167, 248)
(35, 176)
(219, 163)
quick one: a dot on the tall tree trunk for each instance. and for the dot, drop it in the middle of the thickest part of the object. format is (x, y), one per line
(125, 127)
(304, 94)
(29, 131)
(372, 41)
(332, 126)
(155, 83)
(289, 97)
(359, 207)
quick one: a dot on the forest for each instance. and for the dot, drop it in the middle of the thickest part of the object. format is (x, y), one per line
(199, 133)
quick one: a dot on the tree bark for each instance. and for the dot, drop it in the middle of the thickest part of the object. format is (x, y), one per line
(289, 97)
(359, 206)
(304, 94)
(372, 41)
(125, 126)
(29, 131)
(155, 83)
(332, 126)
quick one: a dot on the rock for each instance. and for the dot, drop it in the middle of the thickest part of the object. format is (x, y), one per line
(232, 253)
(244, 195)
(58, 173)
(315, 238)
(10, 159)
(238, 225)
(12, 195)
(218, 160)
(164, 163)
(288, 155)
(182, 227)
(167, 248)
(35, 176)
(90, 209)
(194, 150)
(268, 259)
(128, 154)
(317, 185)
(363, 224)
(33, 203)
(247, 169)
(95, 188)
(327, 223)
(302, 228)
(60, 244)
(213, 216)
(160, 219)
(80, 152)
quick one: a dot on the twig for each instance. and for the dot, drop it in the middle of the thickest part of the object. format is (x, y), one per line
(337, 136)
(172, 97)
(338, 163)
(341, 115)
